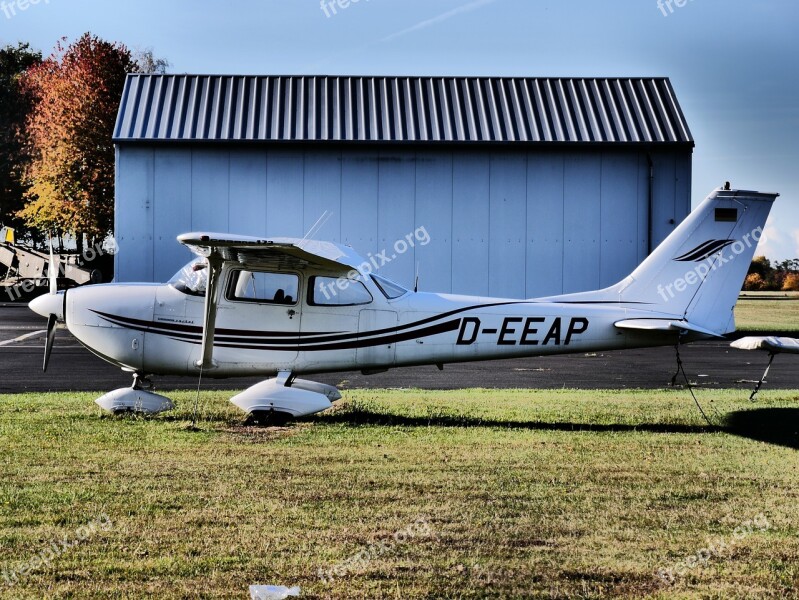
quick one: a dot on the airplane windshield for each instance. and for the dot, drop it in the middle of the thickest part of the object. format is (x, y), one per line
(192, 279)
(390, 289)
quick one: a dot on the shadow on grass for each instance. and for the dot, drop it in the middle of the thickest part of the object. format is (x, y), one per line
(779, 426)
(365, 417)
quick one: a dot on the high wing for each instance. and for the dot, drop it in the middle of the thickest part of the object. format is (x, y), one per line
(276, 253)
(279, 253)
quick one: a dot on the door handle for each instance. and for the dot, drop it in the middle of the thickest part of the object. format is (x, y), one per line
(291, 312)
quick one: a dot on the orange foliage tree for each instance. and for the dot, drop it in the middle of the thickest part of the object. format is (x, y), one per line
(76, 91)
(754, 283)
(791, 282)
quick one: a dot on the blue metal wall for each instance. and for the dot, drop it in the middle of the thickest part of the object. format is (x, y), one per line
(513, 223)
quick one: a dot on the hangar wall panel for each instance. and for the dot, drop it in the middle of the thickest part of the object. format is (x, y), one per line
(210, 190)
(470, 220)
(247, 208)
(507, 225)
(581, 222)
(285, 185)
(359, 188)
(133, 216)
(434, 213)
(396, 203)
(321, 204)
(501, 222)
(544, 264)
(618, 248)
(172, 186)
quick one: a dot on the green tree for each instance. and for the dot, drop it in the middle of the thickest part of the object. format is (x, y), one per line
(15, 107)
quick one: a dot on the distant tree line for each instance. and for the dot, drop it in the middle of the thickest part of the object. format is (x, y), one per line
(781, 276)
(57, 116)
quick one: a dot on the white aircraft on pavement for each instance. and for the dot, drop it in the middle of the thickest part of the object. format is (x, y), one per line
(281, 308)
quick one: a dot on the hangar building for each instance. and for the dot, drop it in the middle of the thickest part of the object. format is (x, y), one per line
(525, 186)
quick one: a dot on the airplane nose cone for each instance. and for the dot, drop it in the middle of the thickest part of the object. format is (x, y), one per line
(49, 304)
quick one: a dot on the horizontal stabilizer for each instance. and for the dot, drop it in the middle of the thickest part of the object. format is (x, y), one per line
(771, 344)
(665, 325)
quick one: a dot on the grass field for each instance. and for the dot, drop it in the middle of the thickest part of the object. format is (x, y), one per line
(768, 311)
(405, 494)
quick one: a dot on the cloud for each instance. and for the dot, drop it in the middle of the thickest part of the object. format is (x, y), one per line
(771, 242)
(778, 243)
(439, 19)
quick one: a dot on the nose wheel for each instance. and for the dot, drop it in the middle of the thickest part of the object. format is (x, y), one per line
(142, 382)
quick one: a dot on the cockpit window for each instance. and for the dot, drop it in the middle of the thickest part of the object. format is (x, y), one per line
(192, 279)
(331, 291)
(390, 289)
(264, 287)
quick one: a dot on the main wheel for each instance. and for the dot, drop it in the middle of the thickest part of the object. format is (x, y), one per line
(268, 418)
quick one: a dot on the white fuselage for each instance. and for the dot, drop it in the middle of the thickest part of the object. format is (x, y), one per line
(157, 329)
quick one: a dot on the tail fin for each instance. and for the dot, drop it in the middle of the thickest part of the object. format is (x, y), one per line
(696, 274)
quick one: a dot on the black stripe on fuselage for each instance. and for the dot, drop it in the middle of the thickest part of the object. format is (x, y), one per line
(287, 341)
(189, 332)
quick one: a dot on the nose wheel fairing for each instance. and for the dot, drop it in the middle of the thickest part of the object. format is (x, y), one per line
(135, 401)
(139, 398)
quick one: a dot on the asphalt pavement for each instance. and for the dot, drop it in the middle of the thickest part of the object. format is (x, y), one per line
(709, 364)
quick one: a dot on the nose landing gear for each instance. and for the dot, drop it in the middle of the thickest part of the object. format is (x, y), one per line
(137, 399)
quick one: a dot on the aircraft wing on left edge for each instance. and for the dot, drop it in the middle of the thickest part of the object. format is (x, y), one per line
(287, 253)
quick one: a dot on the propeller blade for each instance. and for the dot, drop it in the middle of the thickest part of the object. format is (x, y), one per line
(52, 272)
(48, 344)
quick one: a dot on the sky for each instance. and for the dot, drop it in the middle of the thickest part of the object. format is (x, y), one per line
(734, 64)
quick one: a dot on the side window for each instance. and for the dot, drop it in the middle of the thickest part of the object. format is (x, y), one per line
(259, 286)
(332, 291)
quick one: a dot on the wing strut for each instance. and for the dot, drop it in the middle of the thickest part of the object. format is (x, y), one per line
(211, 300)
(760, 383)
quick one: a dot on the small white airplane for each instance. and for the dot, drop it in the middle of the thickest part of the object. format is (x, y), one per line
(281, 308)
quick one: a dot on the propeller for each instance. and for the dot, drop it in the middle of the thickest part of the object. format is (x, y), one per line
(52, 320)
(50, 305)
(48, 344)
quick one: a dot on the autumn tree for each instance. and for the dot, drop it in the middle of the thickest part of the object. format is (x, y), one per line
(15, 106)
(762, 266)
(754, 283)
(77, 91)
(791, 282)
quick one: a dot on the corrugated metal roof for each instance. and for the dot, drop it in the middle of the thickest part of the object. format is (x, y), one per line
(399, 109)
